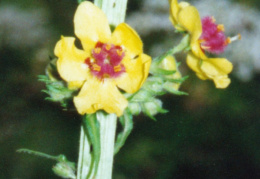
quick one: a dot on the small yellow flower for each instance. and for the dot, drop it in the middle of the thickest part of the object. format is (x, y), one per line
(186, 18)
(108, 63)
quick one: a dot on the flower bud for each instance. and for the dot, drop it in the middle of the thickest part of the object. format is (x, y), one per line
(134, 108)
(170, 64)
(63, 170)
(153, 107)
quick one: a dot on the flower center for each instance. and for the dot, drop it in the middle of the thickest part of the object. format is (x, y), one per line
(213, 38)
(106, 61)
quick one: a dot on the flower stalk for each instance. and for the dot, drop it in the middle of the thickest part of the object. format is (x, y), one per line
(107, 139)
(115, 11)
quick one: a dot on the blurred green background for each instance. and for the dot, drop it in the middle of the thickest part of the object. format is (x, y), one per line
(211, 133)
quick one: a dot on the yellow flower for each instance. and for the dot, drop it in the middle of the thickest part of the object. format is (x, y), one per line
(186, 18)
(108, 63)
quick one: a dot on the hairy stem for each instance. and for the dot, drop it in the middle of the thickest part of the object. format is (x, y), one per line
(115, 11)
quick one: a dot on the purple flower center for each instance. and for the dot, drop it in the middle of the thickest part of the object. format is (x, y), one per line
(106, 61)
(213, 38)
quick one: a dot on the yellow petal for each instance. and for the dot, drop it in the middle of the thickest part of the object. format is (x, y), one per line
(174, 10)
(194, 63)
(91, 25)
(70, 62)
(96, 95)
(136, 73)
(183, 4)
(127, 37)
(216, 67)
(75, 84)
(221, 81)
(189, 18)
(196, 49)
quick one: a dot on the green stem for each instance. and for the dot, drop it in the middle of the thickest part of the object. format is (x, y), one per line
(115, 11)
(107, 138)
(107, 124)
(84, 160)
(182, 46)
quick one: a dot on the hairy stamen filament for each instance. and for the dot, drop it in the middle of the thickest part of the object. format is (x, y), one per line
(234, 38)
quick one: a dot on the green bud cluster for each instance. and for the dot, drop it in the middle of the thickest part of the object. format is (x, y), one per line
(165, 78)
(56, 88)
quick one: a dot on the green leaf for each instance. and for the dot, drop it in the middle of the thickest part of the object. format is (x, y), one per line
(39, 154)
(180, 80)
(92, 130)
(173, 91)
(127, 122)
(43, 78)
(161, 110)
(160, 71)
(147, 112)
(141, 96)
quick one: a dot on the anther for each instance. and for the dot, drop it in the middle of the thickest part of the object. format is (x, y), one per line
(221, 27)
(232, 39)
(108, 47)
(105, 75)
(96, 67)
(97, 50)
(205, 47)
(119, 52)
(213, 19)
(117, 68)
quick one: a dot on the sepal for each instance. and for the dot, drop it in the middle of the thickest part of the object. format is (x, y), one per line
(168, 87)
(152, 108)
